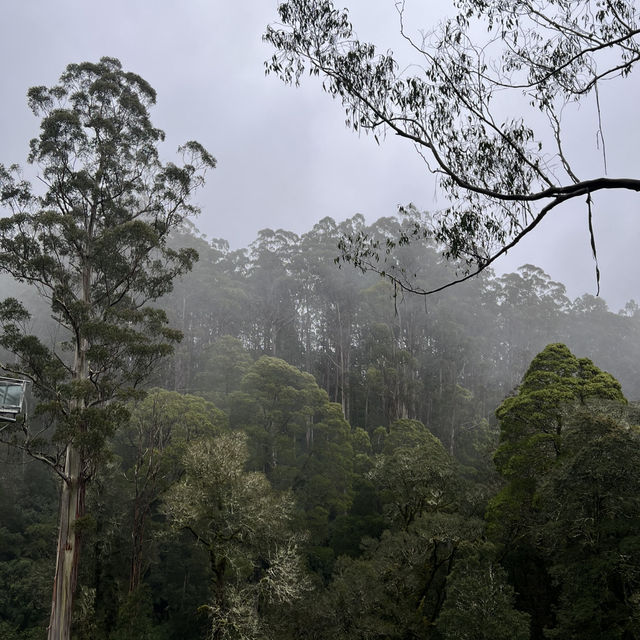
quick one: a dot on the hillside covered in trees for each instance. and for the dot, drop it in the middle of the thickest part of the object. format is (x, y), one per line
(321, 458)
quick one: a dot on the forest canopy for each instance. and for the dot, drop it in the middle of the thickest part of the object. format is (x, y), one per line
(320, 459)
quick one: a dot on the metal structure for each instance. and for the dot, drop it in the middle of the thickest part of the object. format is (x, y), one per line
(12, 392)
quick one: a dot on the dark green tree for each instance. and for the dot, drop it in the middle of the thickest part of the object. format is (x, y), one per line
(414, 473)
(531, 422)
(27, 545)
(533, 426)
(480, 601)
(397, 587)
(225, 364)
(94, 245)
(245, 527)
(151, 446)
(300, 441)
(275, 406)
(587, 526)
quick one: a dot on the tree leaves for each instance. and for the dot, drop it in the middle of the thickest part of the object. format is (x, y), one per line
(500, 174)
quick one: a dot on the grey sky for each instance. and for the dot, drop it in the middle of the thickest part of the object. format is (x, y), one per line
(285, 157)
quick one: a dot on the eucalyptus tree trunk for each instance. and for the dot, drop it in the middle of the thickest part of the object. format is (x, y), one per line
(72, 498)
(72, 508)
(140, 512)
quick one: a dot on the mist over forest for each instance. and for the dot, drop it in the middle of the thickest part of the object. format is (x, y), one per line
(361, 429)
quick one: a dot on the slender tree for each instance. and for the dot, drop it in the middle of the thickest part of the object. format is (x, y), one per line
(94, 245)
(151, 445)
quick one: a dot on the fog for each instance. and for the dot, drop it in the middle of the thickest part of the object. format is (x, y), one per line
(285, 158)
(318, 455)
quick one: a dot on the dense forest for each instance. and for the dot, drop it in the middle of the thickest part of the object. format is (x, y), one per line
(284, 441)
(321, 457)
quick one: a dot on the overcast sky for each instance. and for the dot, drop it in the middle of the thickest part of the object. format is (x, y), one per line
(285, 158)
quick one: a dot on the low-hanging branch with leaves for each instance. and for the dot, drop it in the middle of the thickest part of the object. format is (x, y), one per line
(498, 175)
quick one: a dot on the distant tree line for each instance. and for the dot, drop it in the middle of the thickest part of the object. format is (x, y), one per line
(447, 360)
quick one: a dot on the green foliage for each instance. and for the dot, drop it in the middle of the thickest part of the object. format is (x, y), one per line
(414, 473)
(532, 421)
(394, 544)
(151, 446)
(567, 509)
(276, 407)
(134, 619)
(226, 364)
(95, 245)
(397, 587)
(27, 546)
(9, 632)
(162, 424)
(300, 440)
(244, 526)
(589, 518)
(480, 601)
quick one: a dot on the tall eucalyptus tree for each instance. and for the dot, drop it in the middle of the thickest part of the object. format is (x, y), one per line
(93, 243)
